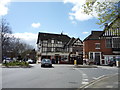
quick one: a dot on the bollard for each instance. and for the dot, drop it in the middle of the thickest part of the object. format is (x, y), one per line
(75, 62)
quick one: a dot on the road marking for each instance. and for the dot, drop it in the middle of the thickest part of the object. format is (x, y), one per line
(107, 67)
(95, 78)
(84, 77)
(109, 86)
(95, 81)
(85, 82)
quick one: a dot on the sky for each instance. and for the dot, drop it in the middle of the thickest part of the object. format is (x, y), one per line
(27, 19)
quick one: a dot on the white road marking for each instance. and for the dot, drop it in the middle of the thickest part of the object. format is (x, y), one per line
(85, 82)
(84, 75)
(85, 79)
(95, 78)
(107, 67)
(109, 86)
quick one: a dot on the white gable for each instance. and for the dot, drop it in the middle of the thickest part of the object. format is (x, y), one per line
(78, 42)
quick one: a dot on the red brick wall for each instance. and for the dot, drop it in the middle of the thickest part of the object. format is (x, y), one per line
(89, 46)
(106, 51)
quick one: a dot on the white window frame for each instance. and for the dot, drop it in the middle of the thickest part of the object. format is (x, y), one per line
(94, 56)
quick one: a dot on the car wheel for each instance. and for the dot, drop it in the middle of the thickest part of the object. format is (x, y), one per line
(50, 65)
(41, 65)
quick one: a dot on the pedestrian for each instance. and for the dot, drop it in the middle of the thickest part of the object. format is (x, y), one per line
(84, 61)
(87, 61)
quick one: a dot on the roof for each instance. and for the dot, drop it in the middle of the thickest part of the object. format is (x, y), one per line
(94, 35)
(59, 37)
(113, 29)
(72, 41)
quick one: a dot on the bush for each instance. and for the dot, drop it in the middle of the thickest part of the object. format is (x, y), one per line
(16, 63)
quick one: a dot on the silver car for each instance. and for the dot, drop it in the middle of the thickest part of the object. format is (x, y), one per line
(46, 63)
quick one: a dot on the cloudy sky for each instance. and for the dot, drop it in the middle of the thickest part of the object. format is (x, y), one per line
(27, 18)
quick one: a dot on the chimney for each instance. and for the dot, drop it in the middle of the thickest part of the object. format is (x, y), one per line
(62, 33)
(106, 25)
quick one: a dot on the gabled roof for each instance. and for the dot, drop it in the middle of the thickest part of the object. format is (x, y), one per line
(59, 37)
(113, 29)
(72, 41)
(94, 35)
(76, 40)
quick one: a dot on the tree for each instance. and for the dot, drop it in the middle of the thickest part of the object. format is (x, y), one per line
(107, 11)
(5, 31)
(10, 45)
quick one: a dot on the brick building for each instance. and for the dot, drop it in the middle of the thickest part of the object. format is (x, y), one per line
(101, 46)
(92, 47)
(111, 35)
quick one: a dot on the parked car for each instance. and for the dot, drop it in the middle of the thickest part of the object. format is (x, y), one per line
(46, 63)
(64, 62)
(29, 61)
(7, 60)
(112, 62)
(39, 61)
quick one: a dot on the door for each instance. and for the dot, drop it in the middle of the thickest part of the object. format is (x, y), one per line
(57, 58)
(97, 58)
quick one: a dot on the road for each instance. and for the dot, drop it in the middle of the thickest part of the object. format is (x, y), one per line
(60, 76)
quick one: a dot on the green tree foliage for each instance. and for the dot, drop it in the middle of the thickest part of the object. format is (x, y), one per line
(106, 11)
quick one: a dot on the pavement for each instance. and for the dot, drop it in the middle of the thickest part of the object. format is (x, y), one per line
(85, 66)
(111, 82)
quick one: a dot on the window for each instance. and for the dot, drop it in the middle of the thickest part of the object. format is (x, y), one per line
(49, 49)
(44, 41)
(44, 49)
(52, 41)
(97, 45)
(116, 43)
(49, 45)
(77, 43)
(108, 43)
(59, 42)
(52, 49)
(91, 55)
(58, 49)
(71, 49)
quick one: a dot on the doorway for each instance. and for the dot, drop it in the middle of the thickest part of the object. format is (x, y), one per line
(97, 58)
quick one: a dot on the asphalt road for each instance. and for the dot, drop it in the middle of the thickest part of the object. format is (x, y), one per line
(60, 76)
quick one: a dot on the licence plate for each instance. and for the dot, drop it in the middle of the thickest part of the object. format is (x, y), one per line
(46, 64)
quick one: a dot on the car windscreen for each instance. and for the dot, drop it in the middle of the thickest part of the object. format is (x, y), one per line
(46, 60)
